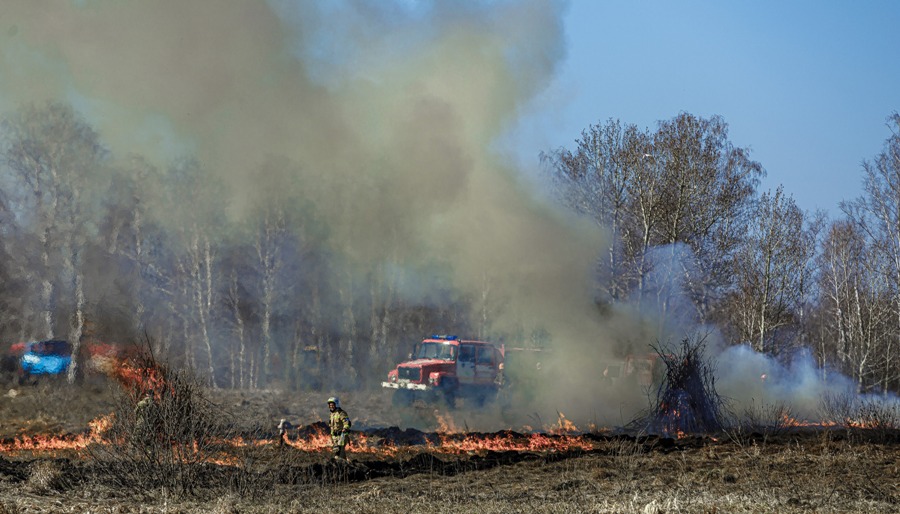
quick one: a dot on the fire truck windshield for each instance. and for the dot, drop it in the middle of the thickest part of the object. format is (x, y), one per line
(442, 351)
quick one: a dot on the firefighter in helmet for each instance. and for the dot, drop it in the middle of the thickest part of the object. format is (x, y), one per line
(146, 419)
(339, 424)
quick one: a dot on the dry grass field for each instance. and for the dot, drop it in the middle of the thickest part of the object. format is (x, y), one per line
(784, 470)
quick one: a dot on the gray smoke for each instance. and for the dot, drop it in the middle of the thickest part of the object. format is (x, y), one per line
(385, 113)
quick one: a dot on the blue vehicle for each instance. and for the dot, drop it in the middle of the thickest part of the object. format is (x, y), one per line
(45, 358)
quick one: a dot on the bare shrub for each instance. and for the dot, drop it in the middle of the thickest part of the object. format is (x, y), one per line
(165, 432)
(872, 415)
(758, 420)
(837, 408)
(879, 414)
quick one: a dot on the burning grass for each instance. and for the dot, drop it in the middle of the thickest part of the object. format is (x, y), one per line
(800, 471)
(239, 463)
(312, 440)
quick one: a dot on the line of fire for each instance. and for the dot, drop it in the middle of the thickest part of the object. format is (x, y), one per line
(163, 412)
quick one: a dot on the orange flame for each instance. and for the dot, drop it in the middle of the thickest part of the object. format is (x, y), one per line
(511, 442)
(563, 426)
(139, 380)
(790, 421)
(37, 443)
(319, 441)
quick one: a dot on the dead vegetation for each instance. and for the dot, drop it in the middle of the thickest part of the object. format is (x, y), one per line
(876, 416)
(758, 463)
(163, 429)
(800, 472)
(686, 400)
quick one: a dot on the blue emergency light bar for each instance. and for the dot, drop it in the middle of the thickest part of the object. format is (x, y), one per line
(445, 337)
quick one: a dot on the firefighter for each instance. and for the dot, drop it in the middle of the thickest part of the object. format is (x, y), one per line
(339, 423)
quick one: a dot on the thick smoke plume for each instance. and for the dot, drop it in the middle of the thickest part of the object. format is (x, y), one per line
(388, 114)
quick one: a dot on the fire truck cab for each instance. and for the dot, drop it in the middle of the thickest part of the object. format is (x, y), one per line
(446, 367)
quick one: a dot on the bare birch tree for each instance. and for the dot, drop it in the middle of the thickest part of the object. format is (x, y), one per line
(877, 214)
(53, 153)
(770, 270)
(196, 215)
(595, 179)
(685, 184)
(708, 186)
(855, 299)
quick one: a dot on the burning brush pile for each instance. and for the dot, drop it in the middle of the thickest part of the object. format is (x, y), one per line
(686, 400)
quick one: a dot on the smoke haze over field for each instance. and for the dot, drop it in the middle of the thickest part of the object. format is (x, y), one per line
(387, 113)
(387, 116)
(393, 139)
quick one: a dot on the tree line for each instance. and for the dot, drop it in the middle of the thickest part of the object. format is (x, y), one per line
(691, 230)
(95, 245)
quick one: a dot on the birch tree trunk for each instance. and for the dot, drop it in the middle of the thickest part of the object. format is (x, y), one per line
(206, 305)
(349, 330)
(234, 301)
(268, 257)
(77, 327)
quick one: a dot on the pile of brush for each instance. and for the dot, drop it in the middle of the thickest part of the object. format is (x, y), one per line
(686, 400)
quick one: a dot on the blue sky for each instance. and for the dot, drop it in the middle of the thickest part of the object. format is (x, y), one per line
(806, 85)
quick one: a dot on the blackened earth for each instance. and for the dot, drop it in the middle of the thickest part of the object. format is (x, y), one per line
(785, 470)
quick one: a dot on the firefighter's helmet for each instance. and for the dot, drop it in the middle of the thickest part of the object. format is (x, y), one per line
(335, 400)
